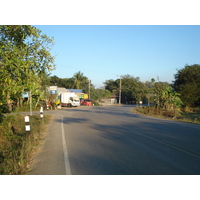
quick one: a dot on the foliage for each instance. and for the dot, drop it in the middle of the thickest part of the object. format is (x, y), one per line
(149, 90)
(166, 99)
(158, 90)
(185, 116)
(16, 146)
(25, 60)
(132, 89)
(96, 94)
(78, 81)
(61, 82)
(187, 83)
(112, 86)
(170, 99)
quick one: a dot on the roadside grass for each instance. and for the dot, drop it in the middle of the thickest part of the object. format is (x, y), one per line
(185, 115)
(17, 145)
(27, 109)
(191, 117)
(24, 109)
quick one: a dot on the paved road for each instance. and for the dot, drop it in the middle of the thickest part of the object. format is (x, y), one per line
(112, 140)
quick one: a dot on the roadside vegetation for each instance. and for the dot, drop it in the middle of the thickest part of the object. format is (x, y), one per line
(179, 100)
(191, 115)
(17, 145)
(25, 62)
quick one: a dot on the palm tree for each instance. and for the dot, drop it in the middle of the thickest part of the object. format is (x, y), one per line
(79, 80)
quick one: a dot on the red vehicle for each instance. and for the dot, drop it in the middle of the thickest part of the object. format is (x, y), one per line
(86, 102)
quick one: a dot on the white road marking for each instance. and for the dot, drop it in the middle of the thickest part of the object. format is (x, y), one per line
(66, 157)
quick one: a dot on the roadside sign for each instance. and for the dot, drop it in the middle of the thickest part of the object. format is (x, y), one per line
(53, 89)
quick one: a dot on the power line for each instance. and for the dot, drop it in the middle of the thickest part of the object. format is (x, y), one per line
(92, 70)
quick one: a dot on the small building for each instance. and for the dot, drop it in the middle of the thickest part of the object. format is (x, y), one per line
(108, 100)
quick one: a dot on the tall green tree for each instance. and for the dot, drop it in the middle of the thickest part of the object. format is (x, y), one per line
(62, 82)
(112, 86)
(80, 81)
(96, 94)
(187, 83)
(132, 89)
(24, 59)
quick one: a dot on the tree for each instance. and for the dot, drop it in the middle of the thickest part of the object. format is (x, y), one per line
(80, 81)
(96, 94)
(170, 99)
(158, 88)
(62, 82)
(132, 89)
(149, 90)
(187, 83)
(24, 59)
(112, 86)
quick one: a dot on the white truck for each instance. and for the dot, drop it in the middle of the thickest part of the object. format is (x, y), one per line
(69, 99)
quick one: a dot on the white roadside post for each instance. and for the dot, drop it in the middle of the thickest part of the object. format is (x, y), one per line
(27, 124)
(41, 112)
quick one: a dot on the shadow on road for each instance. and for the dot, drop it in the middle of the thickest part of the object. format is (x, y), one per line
(67, 120)
(116, 141)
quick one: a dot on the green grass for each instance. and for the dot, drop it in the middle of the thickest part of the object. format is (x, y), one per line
(17, 145)
(189, 115)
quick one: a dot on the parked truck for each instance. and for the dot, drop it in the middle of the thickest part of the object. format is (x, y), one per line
(69, 99)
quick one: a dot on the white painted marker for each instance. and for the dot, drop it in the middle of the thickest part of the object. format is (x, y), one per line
(66, 157)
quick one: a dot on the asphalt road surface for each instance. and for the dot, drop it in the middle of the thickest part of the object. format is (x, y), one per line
(112, 140)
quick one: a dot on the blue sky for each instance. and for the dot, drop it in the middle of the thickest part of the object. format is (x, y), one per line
(103, 52)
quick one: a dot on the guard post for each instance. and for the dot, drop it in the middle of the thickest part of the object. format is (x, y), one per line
(27, 124)
(41, 112)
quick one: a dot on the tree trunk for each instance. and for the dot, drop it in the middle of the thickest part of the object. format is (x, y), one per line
(148, 99)
(21, 102)
(17, 102)
(8, 101)
(37, 102)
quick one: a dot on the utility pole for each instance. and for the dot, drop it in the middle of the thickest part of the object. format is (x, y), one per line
(30, 103)
(89, 88)
(120, 89)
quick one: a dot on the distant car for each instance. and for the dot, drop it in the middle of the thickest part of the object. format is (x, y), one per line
(86, 102)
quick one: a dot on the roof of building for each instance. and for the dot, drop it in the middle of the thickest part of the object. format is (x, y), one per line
(63, 90)
(76, 90)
